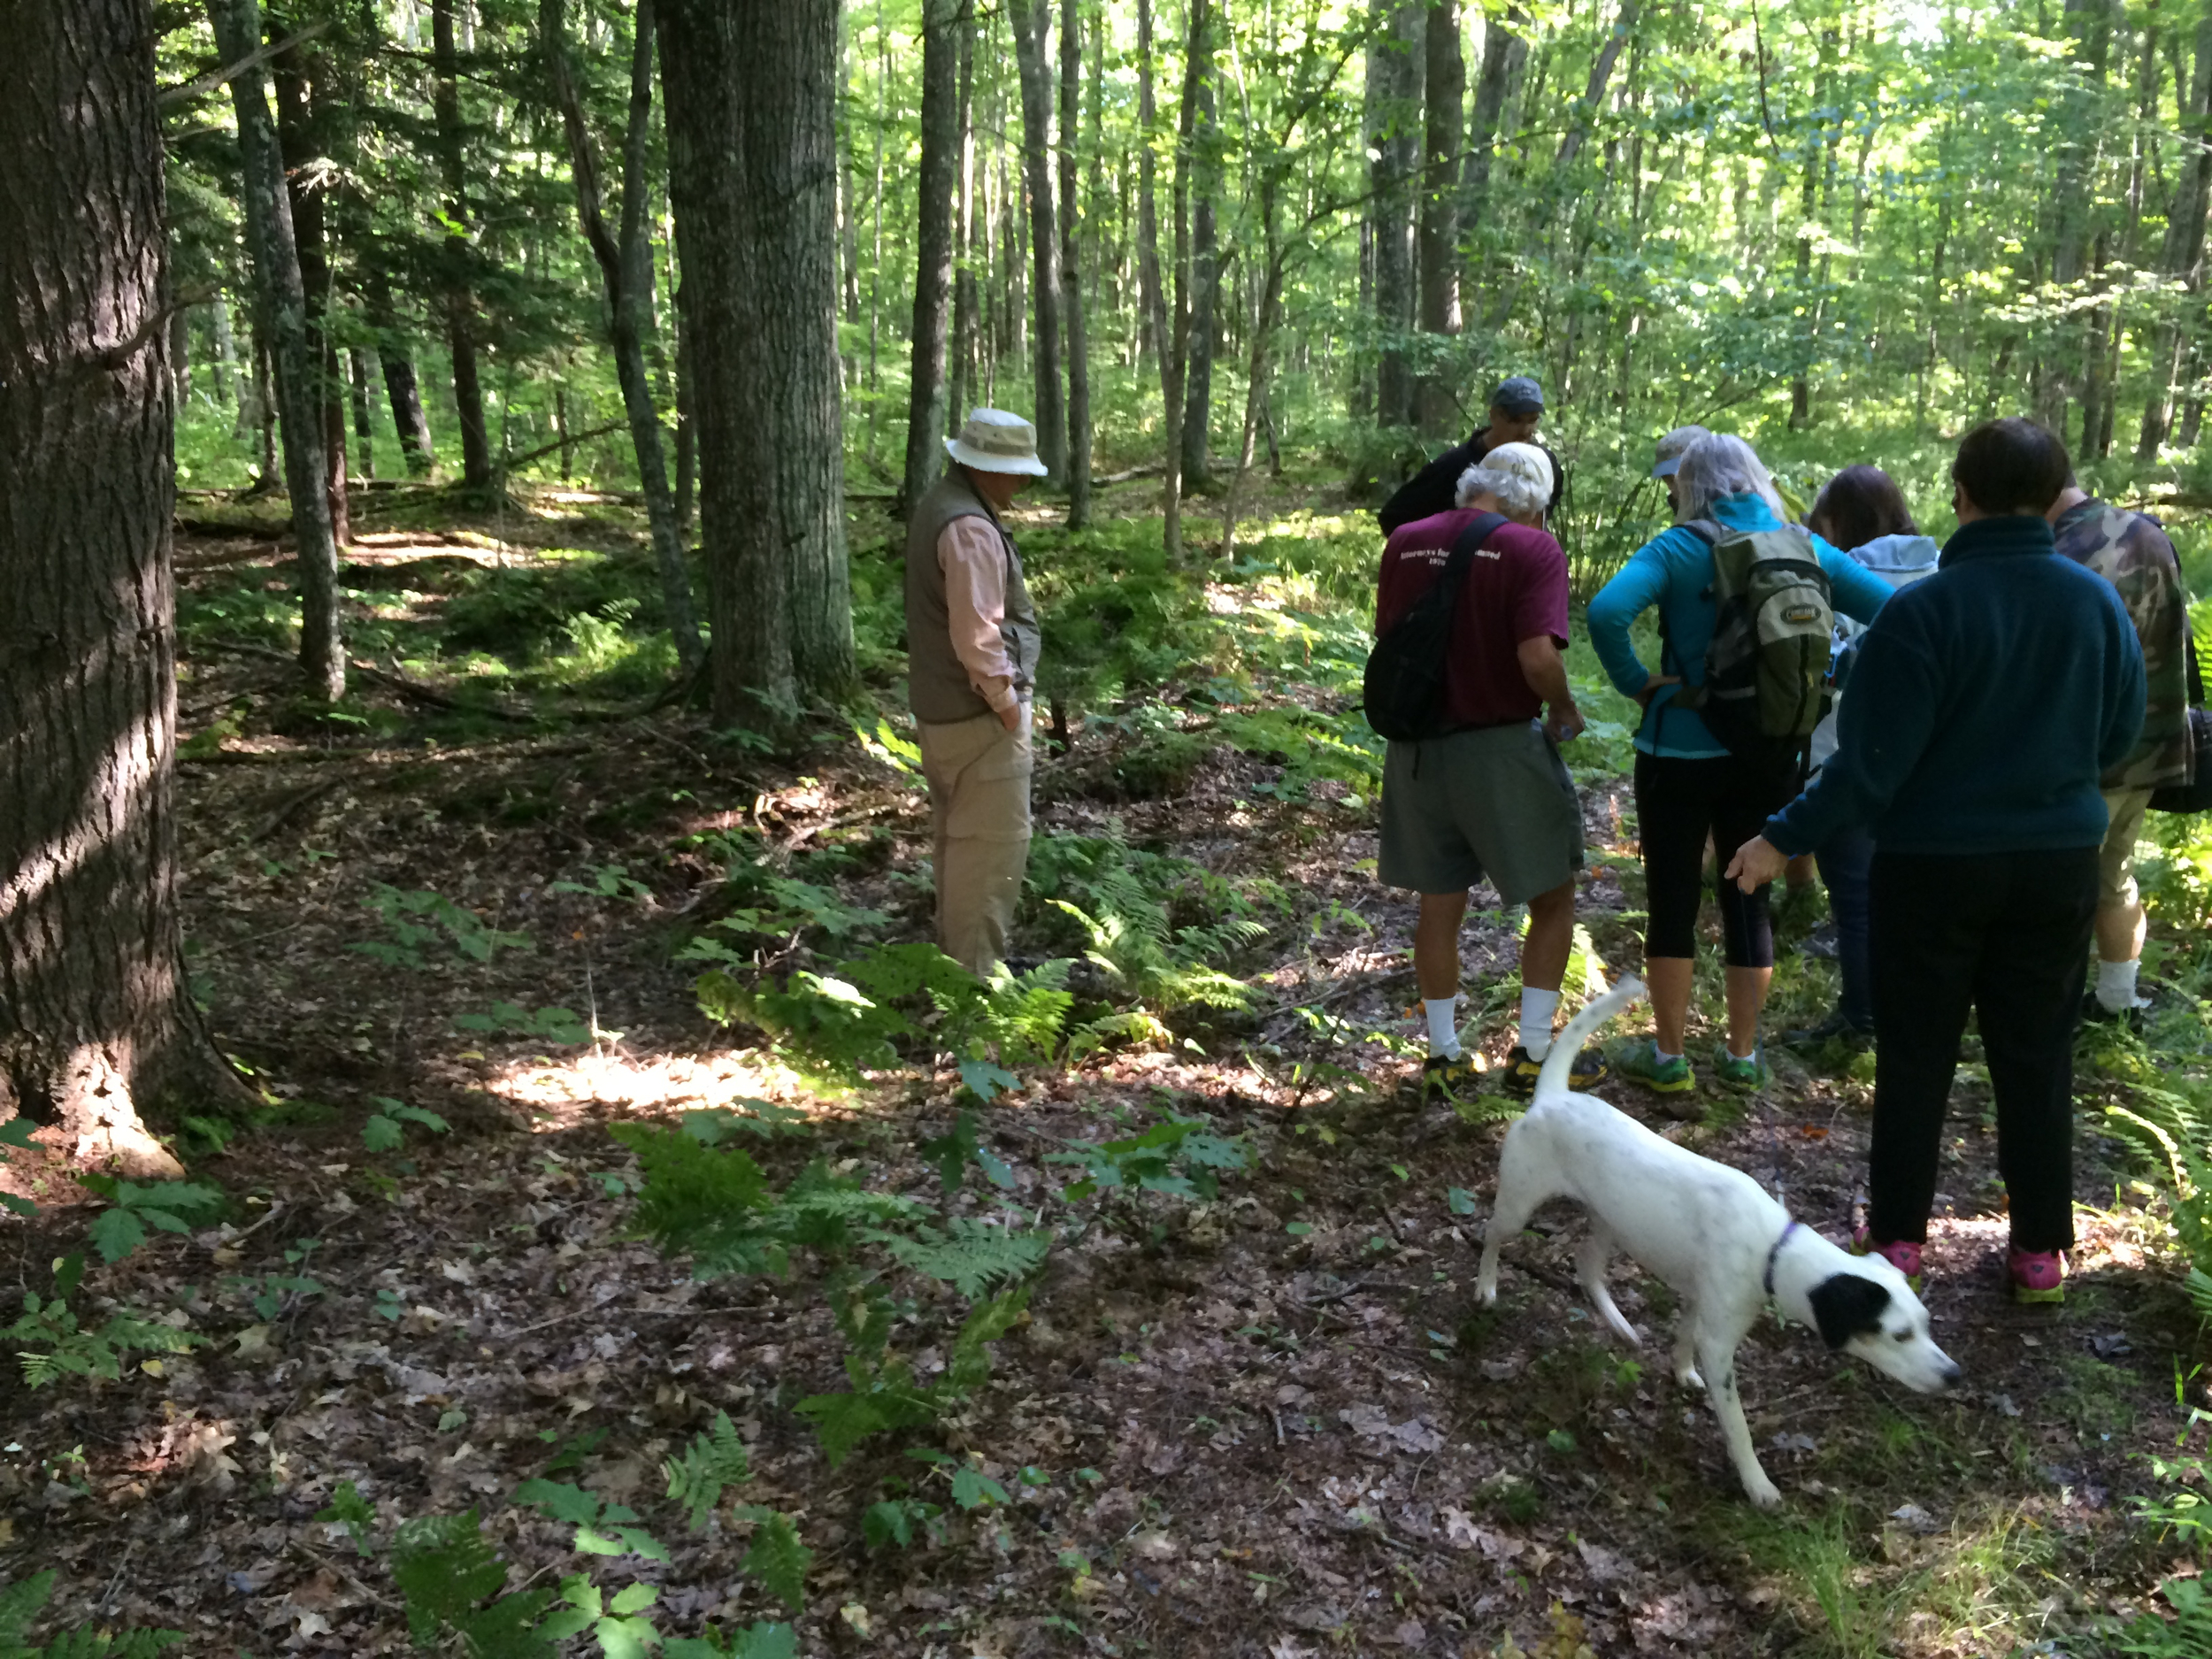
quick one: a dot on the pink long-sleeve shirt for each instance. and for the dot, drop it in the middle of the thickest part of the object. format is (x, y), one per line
(973, 558)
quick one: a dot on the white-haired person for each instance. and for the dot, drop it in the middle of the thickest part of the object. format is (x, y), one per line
(971, 644)
(1490, 797)
(1688, 786)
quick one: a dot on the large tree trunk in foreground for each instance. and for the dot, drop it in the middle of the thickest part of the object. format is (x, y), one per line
(276, 267)
(95, 1023)
(933, 244)
(1031, 20)
(625, 266)
(751, 96)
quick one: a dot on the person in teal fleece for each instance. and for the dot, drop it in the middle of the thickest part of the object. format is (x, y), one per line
(1987, 703)
(1688, 786)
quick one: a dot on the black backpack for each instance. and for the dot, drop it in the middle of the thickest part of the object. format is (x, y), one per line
(1403, 690)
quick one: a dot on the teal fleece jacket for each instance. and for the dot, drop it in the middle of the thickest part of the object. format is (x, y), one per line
(1986, 702)
(1673, 570)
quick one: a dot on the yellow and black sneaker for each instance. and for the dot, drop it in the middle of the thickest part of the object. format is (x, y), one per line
(1450, 1078)
(1588, 1070)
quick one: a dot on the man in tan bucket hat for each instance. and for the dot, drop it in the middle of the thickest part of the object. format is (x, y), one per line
(971, 668)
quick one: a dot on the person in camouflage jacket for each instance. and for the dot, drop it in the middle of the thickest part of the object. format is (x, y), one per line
(2130, 550)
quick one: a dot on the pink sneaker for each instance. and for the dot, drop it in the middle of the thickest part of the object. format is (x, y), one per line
(2038, 1275)
(1899, 1253)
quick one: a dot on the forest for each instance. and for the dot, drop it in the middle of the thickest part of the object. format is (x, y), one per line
(494, 1161)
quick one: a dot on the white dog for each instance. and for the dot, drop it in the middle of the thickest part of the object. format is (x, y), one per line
(1711, 1232)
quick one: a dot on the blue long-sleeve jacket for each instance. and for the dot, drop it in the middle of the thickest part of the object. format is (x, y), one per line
(1673, 570)
(1986, 702)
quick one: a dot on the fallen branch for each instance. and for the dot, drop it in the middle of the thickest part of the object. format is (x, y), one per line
(215, 78)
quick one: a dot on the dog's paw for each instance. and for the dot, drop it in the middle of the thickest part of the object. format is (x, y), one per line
(1689, 1378)
(1764, 1493)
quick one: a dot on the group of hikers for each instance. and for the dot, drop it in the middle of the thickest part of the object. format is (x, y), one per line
(1964, 740)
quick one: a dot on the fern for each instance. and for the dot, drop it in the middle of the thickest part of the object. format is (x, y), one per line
(708, 1203)
(446, 1570)
(715, 1460)
(777, 1559)
(971, 1258)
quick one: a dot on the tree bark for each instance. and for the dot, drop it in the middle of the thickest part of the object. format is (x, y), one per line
(226, 363)
(1594, 92)
(967, 342)
(1155, 295)
(942, 22)
(1503, 54)
(1201, 162)
(1032, 20)
(299, 133)
(401, 389)
(1394, 54)
(2184, 253)
(751, 95)
(1071, 265)
(358, 396)
(460, 296)
(97, 1022)
(1446, 76)
(625, 268)
(268, 213)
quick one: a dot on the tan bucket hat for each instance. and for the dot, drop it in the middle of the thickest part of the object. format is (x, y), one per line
(992, 440)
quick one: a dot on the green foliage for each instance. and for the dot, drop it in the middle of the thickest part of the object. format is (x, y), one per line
(386, 1129)
(66, 1348)
(602, 1528)
(2187, 1635)
(349, 1509)
(1181, 1157)
(714, 1461)
(445, 1567)
(777, 1559)
(556, 1026)
(420, 918)
(132, 1207)
(16, 1132)
(20, 1604)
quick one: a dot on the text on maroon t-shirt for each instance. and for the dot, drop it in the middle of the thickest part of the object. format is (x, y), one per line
(1516, 590)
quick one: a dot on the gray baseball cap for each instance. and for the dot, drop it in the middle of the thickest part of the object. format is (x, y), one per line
(1673, 447)
(1520, 396)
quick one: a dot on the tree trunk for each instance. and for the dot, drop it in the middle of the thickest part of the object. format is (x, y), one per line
(299, 137)
(1032, 20)
(1594, 93)
(460, 297)
(358, 392)
(2184, 253)
(268, 213)
(1446, 76)
(97, 1022)
(1071, 265)
(942, 22)
(1155, 297)
(226, 364)
(1201, 161)
(686, 429)
(1503, 53)
(751, 118)
(625, 267)
(2074, 195)
(967, 342)
(401, 389)
(1394, 54)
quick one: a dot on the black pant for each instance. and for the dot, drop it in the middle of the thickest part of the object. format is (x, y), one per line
(2006, 933)
(1677, 804)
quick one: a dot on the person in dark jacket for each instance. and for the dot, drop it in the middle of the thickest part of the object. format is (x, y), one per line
(1986, 702)
(1516, 408)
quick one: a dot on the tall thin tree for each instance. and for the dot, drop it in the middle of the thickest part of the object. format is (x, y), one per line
(941, 23)
(625, 268)
(1032, 22)
(283, 306)
(1394, 64)
(459, 255)
(1072, 246)
(1154, 294)
(1201, 163)
(1442, 137)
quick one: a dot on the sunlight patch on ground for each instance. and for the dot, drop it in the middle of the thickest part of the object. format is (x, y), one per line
(558, 1093)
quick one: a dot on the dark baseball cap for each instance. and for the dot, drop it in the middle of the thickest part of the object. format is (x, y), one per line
(1520, 396)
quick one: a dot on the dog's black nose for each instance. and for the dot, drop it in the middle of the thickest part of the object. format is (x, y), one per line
(1952, 1377)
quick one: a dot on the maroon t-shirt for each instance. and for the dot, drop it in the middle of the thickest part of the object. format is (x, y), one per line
(1516, 590)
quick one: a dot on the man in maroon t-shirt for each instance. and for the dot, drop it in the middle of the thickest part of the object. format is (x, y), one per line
(1492, 798)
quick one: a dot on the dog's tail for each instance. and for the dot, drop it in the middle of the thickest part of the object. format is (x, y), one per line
(1568, 1043)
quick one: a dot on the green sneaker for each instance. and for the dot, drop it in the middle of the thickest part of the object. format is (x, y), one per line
(1730, 1073)
(1451, 1077)
(1641, 1063)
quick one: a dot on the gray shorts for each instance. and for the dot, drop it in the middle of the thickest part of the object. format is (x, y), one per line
(1495, 802)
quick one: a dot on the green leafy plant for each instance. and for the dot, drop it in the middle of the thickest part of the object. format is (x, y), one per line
(132, 1207)
(270, 1294)
(16, 1132)
(64, 1347)
(556, 1026)
(386, 1128)
(420, 918)
(22, 1602)
(1178, 1156)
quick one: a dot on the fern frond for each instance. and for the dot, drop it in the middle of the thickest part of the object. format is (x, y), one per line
(972, 1256)
(715, 1460)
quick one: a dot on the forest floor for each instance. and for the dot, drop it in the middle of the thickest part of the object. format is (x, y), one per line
(1270, 1423)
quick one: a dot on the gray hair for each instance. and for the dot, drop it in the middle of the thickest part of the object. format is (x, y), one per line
(1718, 466)
(1518, 495)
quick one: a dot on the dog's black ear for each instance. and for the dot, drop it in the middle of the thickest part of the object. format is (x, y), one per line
(1846, 1305)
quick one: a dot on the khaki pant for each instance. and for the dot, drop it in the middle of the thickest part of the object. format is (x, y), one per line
(978, 812)
(2116, 860)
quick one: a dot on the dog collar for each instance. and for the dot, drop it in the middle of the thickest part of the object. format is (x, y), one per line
(1774, 1255)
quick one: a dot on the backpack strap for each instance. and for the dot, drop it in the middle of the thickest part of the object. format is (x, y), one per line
(1705, 530)
(1473, 536)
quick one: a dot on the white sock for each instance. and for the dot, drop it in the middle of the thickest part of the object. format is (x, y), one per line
(1660, 1054)
(1443, 1029)
(2115, 984)
(1537, 1008)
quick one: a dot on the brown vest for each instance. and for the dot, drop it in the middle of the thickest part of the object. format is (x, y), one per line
(937, 687)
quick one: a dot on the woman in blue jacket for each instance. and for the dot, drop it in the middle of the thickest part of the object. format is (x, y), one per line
(1688, 786)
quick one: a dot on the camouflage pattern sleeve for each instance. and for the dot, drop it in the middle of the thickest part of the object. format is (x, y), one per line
(2130, 550)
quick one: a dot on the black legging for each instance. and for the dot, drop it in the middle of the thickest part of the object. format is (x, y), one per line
(1678, 802)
